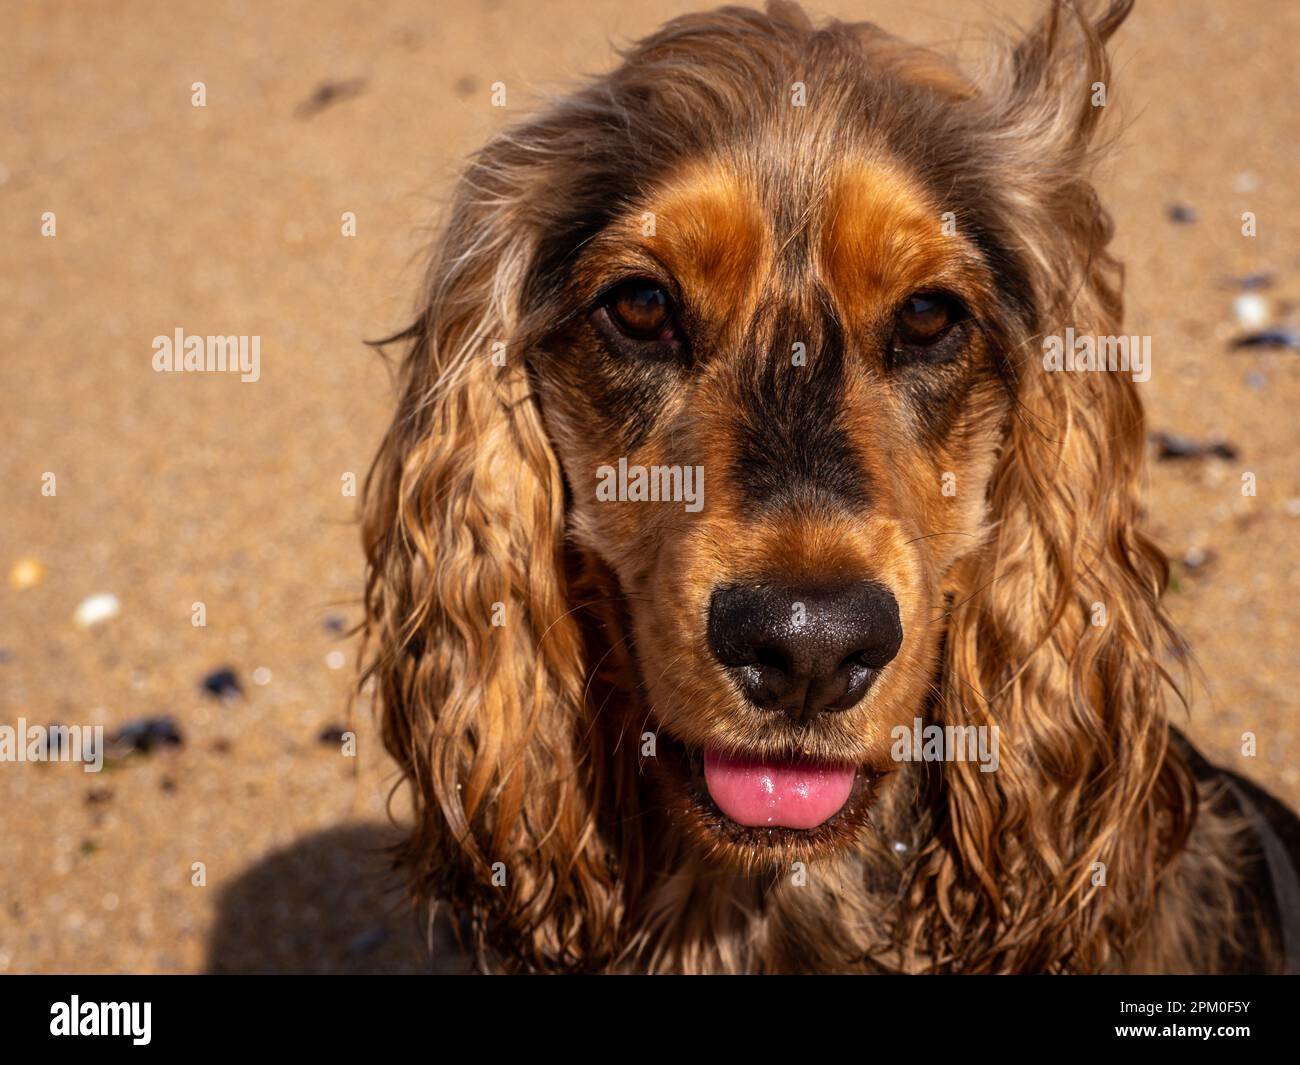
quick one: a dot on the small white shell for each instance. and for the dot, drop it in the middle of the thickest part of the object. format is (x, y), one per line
(1252, 310)
(96, 609)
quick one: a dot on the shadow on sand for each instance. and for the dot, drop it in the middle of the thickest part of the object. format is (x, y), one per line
(328, 903)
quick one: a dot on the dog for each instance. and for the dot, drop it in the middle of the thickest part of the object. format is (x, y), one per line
(746, 592)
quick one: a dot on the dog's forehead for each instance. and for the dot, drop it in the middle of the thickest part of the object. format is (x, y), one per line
(735, 228)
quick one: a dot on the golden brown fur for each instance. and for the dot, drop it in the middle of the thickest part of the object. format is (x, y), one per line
(523, 638)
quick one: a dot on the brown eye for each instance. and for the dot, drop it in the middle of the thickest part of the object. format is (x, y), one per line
(640, 309)
(924, 318)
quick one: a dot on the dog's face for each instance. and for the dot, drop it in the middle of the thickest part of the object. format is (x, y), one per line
(770, 466)
(777, 397)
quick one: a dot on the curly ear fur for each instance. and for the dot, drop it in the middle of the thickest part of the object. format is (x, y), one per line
(1088, 786)
(477, 662)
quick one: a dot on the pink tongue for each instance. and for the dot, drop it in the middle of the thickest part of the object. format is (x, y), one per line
(788, 794)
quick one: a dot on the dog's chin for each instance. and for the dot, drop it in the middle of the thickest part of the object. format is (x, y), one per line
(688, 795)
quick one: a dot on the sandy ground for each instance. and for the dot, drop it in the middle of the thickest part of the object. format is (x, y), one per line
(178, 489)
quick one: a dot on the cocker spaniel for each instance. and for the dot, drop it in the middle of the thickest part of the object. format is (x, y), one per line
(748, 591)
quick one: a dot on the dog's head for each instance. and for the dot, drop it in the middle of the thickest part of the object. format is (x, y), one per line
(727, 453)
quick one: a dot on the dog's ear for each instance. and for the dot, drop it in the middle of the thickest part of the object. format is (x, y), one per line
(1057, 635)
(1056, 78)
(476, 660)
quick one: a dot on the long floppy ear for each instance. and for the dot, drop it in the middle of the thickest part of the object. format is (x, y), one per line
(477, 663)
(1056, 636)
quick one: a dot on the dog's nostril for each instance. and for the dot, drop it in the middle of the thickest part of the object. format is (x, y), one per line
(803, 650)
(771, 658)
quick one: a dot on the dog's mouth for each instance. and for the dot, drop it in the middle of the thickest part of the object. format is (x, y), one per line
(772, 793)
(768, 801)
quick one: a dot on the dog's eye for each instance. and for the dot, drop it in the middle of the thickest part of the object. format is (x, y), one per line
(924, 319)
(640, 310)
(637, 320)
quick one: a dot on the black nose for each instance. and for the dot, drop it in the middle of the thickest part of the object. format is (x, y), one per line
(804, 650)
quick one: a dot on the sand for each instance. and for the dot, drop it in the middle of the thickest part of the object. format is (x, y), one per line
(177, 489)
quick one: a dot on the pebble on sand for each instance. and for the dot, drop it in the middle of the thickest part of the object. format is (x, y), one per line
(96, 609)
(1171, 446)
(26, 573)
(146, 733)
(222, 684)
(1252, 282)
(328, 93)
(1270, 338)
